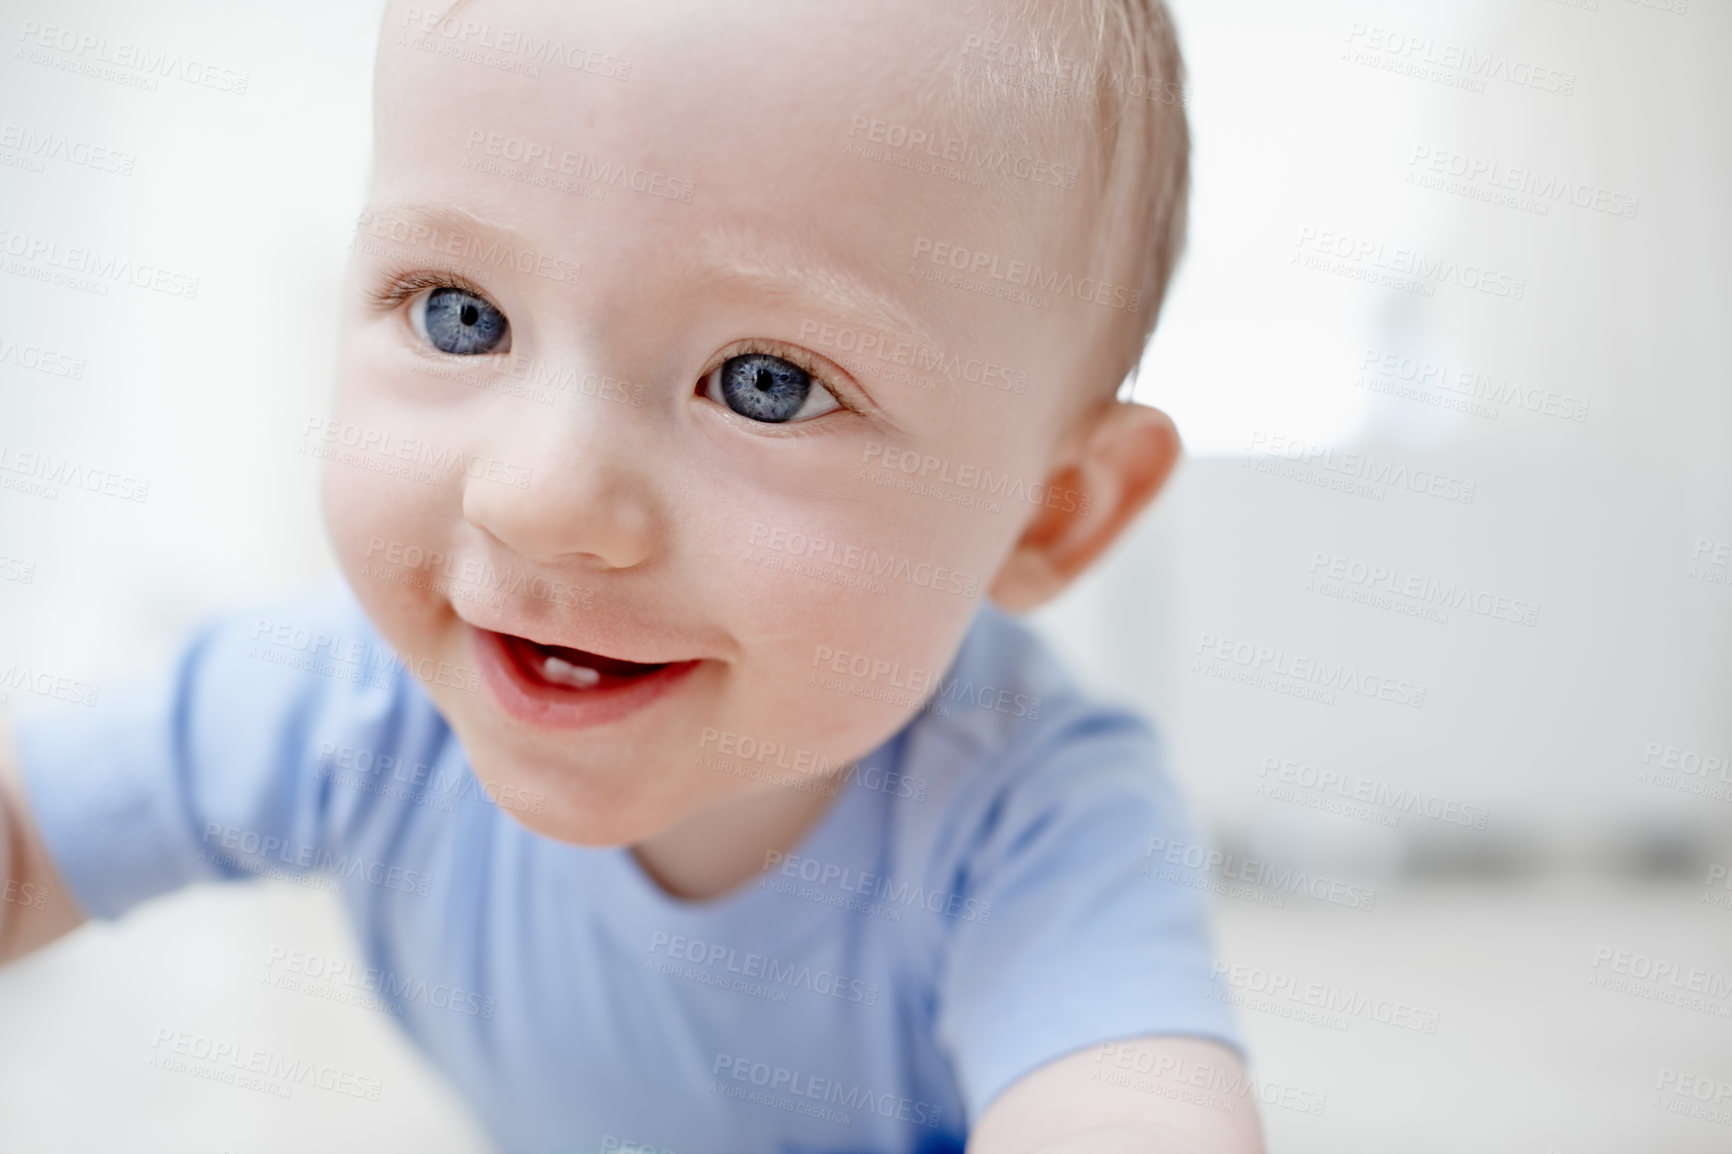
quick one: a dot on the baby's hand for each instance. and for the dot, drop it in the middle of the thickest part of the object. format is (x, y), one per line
(35, 907)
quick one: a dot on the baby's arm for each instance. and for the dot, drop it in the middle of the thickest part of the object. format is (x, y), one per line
(37, 907)
(1066, 1107)
(1080, 1011)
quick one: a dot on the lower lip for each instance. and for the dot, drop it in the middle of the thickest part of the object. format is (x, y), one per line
(551, 707)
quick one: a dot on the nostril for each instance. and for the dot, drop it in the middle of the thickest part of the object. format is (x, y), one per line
(562, 512)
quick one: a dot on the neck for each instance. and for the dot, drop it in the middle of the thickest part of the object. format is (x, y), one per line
(719, 848)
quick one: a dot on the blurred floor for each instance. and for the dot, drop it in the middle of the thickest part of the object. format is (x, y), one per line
(1526, 1057)
(82, 1022)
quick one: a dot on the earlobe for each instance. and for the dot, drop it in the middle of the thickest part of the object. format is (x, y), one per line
(1125, 458)
(1024, 582)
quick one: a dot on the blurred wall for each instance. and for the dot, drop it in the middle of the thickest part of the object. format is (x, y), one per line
(1557, 440)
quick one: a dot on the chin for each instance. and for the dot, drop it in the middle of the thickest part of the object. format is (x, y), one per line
(603, 834)
(577, 804)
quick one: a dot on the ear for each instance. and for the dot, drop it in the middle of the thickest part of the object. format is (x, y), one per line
(1124, 453)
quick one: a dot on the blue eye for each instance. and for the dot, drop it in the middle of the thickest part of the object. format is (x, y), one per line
(461, 323)
(766, 388)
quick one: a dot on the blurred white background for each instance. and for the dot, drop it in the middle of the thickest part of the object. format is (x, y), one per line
(1301, 129)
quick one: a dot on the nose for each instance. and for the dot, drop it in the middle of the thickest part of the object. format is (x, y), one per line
(566, 492)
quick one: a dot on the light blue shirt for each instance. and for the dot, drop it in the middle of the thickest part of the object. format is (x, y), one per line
(976, 903)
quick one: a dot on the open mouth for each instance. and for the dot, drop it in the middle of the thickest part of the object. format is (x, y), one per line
(556, 685)
(558, 667)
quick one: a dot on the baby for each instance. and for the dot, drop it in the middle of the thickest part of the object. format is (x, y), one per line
(705, 371)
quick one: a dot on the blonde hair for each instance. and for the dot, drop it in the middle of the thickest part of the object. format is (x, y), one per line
(1111, 69)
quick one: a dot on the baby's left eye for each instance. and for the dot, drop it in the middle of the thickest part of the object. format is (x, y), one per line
(457, 321)
(768, 389)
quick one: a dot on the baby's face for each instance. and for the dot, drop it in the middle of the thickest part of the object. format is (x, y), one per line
(663, 449)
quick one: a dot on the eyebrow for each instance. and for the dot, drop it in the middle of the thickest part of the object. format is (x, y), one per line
(771, 264)
(448, 218)
(782, 266)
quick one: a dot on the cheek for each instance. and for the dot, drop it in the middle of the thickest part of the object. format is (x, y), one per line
(352, 519)
(371, 514)
(386, 556)
(850, 620)
(387, 513)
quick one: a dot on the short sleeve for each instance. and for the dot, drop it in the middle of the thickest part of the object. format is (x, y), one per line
(1082, 940)
(209, 771)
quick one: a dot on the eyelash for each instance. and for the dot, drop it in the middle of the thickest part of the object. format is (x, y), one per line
(799, 358)
(399, 288)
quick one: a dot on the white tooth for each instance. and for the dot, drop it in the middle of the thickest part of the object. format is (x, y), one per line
(564, 672)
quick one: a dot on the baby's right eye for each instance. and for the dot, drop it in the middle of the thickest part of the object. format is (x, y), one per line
(457, 321)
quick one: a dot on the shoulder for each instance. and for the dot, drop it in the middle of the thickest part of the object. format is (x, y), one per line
(302, 690)
(288, 661)
(1015, 752)
(225, 762)
(1040, 830)
(1007, 708)
(314, 642)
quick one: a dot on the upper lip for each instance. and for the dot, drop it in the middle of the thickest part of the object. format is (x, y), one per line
(601, 646)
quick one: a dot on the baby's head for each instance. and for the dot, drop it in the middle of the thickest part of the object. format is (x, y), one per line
(741, 342)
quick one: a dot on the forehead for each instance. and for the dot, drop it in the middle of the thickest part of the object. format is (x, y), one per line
(743, 142)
